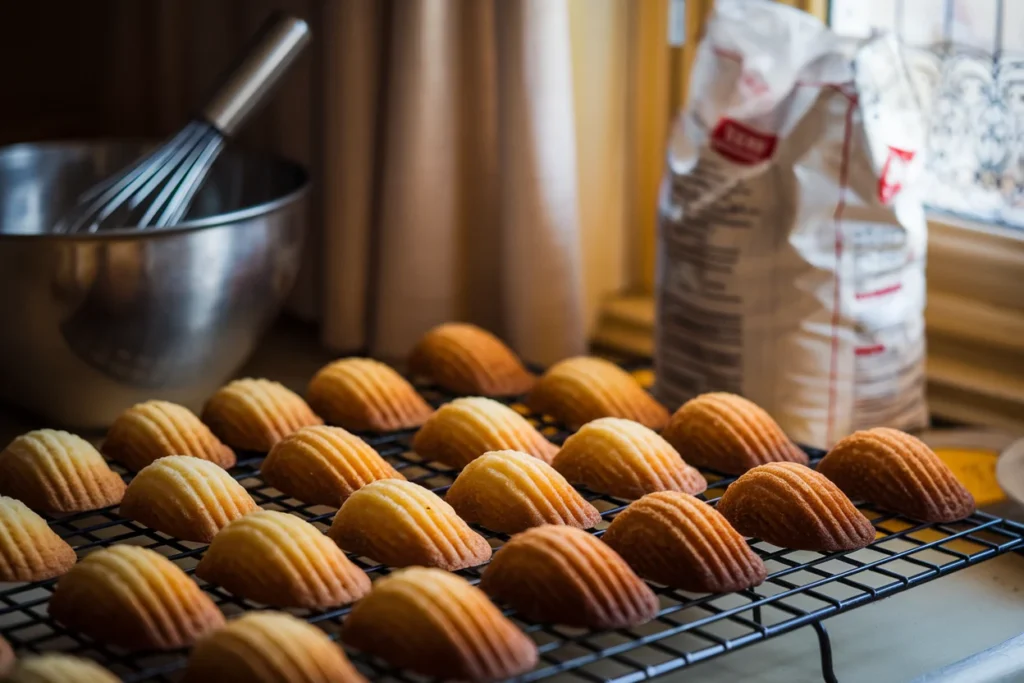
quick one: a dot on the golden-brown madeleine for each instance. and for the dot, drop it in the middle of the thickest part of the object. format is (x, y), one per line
(278, 559)
(792, 506)
(897, 472)
(155, 429)
(269, 647)
(680, 541)
(6, 658)
(467, 428)
(727, 433)
(366, 395)
(438, 624)
(254, 414)
(29, 550)
(135, 598)
(577, 390)
(55, 667)
(54, 471)
(625, 459)
(186, 497)
(469, 360)
(399, 523)
(562, 575)
(508, 491)
(324, 465)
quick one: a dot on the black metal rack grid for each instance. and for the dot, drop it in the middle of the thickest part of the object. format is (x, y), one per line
(802, 589)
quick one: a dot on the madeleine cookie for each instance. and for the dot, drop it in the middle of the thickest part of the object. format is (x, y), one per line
(135, 598)
(29, 550)
(438, 624)
(680, 541)
(254, 414)
(467, 428)
(399, 524)
(469, 360)
(185, 497)
(6, 658)
(156, 429)
(897, 472)
(508, 491)
(269, 647)
(55, 667)
(366, 395)
(625, 459)
(324, 465)
(727, 433)
(562, 575)
(577, 390)
(54, 471)
(278, 559)
(792, 506)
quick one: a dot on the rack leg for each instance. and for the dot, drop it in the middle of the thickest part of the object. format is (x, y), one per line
(825, 645)
(757, 615)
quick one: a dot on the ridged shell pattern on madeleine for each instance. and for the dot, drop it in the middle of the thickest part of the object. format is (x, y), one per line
(366, 395)
(278, 559)
(155, 429)
(135, 598)
(897, 472)
(727, 433)
(29, 549)
(562, 575)
(577, 390)
(54, 471)
(625, 459)
(508, 491)
(680, 541)
(324, 465)
(469, 360)
(55, 667)
(792, 506)
(399, 523)
(269, 647)
(186, 497)
(467, 428)
(254, 414)
(438, 624)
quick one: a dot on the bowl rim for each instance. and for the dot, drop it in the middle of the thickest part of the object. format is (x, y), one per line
(215, 221)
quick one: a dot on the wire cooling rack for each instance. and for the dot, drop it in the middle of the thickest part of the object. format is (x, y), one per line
(802, 589)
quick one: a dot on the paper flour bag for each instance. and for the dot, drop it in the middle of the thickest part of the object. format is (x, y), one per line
(792, 235)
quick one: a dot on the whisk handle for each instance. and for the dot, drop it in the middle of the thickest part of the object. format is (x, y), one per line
(244, 88)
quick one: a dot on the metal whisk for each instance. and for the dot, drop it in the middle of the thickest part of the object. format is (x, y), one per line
(157, 190)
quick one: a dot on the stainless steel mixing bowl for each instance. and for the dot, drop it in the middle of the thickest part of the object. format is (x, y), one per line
(91, 324)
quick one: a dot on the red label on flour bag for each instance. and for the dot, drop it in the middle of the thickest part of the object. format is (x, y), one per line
(742, 144)
(894, 171)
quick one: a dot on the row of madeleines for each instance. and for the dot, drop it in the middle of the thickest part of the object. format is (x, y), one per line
(507, 485)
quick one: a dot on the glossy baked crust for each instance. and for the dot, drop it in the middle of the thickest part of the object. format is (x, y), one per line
(399, 524)
(156, 429)
(467, 428)
(54, 471)
(57, 667)
(727, 433)
(254, 414)
(562, 575)
(469, 360)
(269, 647)
(29, 550)
(681, 541)
(324, 465)
(437, 624)
(278, 559)
(366, 395)
(135, 598)
(508, 491)
(897, 472)
(186, 497)
(792, 506)
(625, 459)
